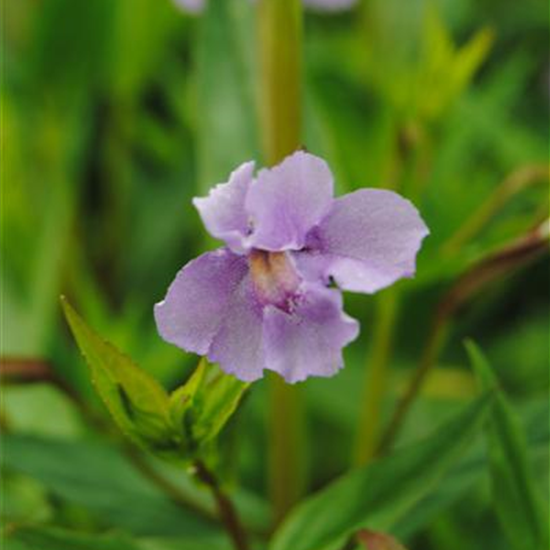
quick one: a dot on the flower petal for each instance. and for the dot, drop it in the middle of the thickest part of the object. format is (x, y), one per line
(193, 6)
(330, 5)
(197, 301)
(237, 346)
(223, 212)
(286, 201)
(308, 341)
(367, 241)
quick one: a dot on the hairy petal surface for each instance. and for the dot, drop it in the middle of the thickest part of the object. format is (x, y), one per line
(196, 303)
(238, 345)
(223, 212)
(367, 241)
(309, 340)
(286, 201)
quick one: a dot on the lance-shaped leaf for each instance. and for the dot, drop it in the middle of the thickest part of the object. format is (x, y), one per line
(203, 405)
(447, 69)
(470, 470)
(379, 495)
(137, 402)
(175, 428)
(518, 504)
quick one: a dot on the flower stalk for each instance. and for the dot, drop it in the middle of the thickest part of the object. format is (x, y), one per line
(493, 267)
(280, 36)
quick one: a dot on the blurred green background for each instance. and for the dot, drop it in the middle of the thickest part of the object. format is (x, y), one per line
(115, 113)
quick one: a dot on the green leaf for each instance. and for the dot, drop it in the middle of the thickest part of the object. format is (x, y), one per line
(518, 504)
(98, 478)
(205, 403)
(447, 70)
(137, 402)
(175, 428)
(41, 409)
(24, 500)
(468, 59)
(222, 396)
(54, 538)
(46, 193)
(470, 471)
(380, 494)
(225, 98)
(44, 538)
(212, 543)
(183, 399)
(139, 40)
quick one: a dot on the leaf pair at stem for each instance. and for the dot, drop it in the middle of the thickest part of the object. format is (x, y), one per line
(179, 427)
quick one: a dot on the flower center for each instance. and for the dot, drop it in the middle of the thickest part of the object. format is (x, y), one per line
(274, 277)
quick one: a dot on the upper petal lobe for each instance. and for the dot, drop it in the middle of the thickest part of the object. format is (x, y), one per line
(286, 201)
(197, 301)
(367, 241)
(223, 210)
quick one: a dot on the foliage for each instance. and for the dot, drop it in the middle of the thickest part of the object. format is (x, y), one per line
(516, 494)
(381, 494)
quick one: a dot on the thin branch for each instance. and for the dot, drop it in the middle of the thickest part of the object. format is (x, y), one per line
(432, 348)
(513, 184)
(493, 267)
(24, 370)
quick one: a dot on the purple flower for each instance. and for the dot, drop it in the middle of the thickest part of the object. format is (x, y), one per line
(192, 6)
(197, 6)
(265, 300)
(330, 5)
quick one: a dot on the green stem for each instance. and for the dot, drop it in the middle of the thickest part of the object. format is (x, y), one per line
(376, 377)
(280, 37)
(226, 510)
(286, 446)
